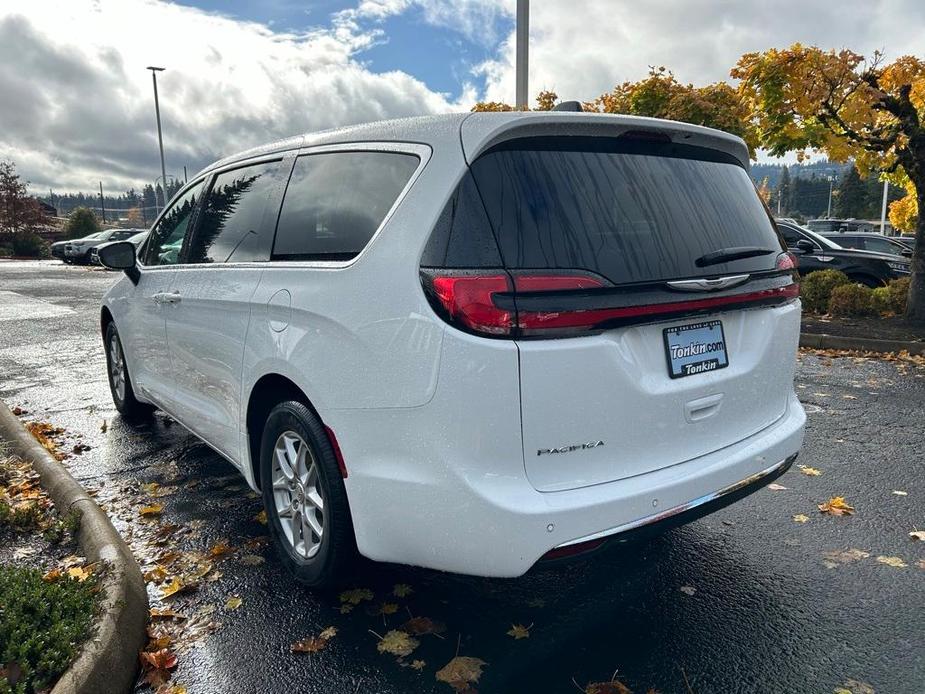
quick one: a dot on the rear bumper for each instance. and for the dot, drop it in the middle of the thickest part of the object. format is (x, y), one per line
(498, 525)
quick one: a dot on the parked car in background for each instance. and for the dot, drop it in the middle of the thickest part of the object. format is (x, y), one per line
(135, 240)
(78, 251)
(470, 341)
(57, 248)
(866, 241)
(816, 252)
(824, 225)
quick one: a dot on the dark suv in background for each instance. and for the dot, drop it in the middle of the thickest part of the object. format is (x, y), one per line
(816, 252)
(866, 241)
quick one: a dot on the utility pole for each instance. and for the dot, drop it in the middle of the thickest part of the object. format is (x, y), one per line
(522, 49)
(160, 139)
(828, 214)
(886, 192)
(102, 203)
(185, 179)
(780, 194)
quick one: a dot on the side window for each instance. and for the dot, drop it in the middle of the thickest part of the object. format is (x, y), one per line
(790, 235)
(231, 226)
(166, 238)
(335, 202)
(879, 245)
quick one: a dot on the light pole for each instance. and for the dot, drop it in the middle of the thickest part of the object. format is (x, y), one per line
(522, 48)
(160, 139)
(886, 192)
(828, 214)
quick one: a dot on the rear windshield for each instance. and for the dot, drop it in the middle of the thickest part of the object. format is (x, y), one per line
(630, 210)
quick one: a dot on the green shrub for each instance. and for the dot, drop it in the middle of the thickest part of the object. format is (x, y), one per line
(42, 625)
(816, 289)
(29, 245)
(64, 528)
(899, 294)
(882, 301)
(852, 300)
(81, 222)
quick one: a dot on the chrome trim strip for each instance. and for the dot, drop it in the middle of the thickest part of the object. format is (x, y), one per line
(708, 285)
(700, 501)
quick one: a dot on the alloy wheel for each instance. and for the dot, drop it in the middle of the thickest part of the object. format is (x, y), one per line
(297, 494)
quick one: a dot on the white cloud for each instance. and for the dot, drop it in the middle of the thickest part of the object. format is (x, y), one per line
(77, 102)
(581, 49)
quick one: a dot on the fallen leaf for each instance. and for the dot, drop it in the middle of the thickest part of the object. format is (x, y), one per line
(895, 562)
(152, 510)
(918, 535)
(233, 602)
(155, 575)
(52, 576)
(309, 645)
(402, 590)
(80, 573)
(811, 471)
(836, 506)
(174, 587)
(220, 549)
(774, 487)
(419, 626)
(158, 613)
(836, 557)
(157, 665)
(855, 687)
(356, 596)
(899, 493)
(171, 689)
(688, 590)
(397, 643)
(328, 633)
(252, 559)
(261, 517)
(104, 427)
(387, 608)
(519, 631)
(418, 664)
(800, 518)
(461, 671)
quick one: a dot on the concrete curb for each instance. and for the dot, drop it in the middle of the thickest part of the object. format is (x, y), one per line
(823, 341)
(108, 662)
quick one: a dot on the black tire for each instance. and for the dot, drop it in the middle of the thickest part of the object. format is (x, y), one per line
(123, 398)
(329, 566)
(867, 281)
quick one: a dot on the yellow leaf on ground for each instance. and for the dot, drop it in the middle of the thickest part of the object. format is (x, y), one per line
(157, 613)
(155, 575)
(461, 671)
(836, 506)
(80, 573)
(152, 510)
(895, 562)
(519, 631)
(918, 535)
(52, 576)
(800, 518)
(387, 608)
(418, 664)
(836, 557)
(309, 645)
(261, 517)
(397, 643)
(233, 603)
(328, 633)
(612, 687)
(220, 548)
(174, 587)
(811, 471)
(356, 596)
(402, 590)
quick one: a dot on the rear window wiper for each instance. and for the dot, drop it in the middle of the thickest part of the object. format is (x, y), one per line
(724, 255)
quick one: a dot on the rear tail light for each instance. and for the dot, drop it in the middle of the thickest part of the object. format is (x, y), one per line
(486, 303)
(787, 261)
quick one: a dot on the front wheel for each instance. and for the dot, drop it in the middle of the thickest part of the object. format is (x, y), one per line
(120, 385)
(304, 497)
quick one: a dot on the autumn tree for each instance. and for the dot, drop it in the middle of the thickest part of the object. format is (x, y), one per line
(20, 213)
(838, 102)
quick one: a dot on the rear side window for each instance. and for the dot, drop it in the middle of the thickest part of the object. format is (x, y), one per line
(462, 236)
(336, 201)
(231, 226)
(632, 211)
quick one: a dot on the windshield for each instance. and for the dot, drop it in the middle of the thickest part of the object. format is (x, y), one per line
(818, 238)
(632, 211)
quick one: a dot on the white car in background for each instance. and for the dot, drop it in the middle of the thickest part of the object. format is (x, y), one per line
(136, 240)
(469, 342)
(78, 250)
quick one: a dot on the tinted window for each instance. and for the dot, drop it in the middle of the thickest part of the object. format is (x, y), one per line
(231, 226)
(166, 239)
(123, 234)
(849, 242)
(335, 202)
(879, 245)
(631, 211)
(462, 236)
(790, 235)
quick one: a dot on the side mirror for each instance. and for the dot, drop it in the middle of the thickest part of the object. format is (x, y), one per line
(803, 246)
(906, 252)
(120, 255)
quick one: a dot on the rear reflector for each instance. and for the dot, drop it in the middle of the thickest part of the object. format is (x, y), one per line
(337, 454)
(572, 550)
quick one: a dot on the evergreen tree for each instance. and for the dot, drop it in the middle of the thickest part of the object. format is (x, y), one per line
(852, 198)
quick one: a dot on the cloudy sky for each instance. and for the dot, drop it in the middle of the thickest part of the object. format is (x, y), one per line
(76, 102)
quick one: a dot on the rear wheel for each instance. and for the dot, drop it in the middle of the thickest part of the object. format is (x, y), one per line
(305, 498)
(120, 384)
(867, 281)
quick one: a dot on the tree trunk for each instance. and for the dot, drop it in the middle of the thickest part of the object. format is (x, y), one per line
(915, 306)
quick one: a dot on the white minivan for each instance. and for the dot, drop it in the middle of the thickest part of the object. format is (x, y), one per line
(469, 342)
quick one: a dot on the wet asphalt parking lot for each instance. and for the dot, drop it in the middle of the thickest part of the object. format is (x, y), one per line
(745, 600)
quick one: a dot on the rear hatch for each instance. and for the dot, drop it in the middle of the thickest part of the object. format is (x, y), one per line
(651, 298)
